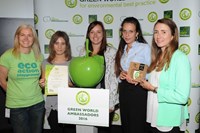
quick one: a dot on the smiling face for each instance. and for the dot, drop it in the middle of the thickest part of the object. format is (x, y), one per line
(162, 35)
(60, 46)
(96, 35)
(26, 39)
(129, 33)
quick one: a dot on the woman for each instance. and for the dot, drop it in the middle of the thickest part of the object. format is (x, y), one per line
(132, 97)
(169, 82)
(59, 54)
(98, 45)
(21, 66)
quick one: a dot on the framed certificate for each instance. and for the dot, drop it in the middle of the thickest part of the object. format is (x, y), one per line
(56, 76)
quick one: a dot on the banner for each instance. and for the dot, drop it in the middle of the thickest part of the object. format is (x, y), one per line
(83, 106)
(74, 16)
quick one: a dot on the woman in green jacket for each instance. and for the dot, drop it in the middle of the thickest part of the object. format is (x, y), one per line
(169, 81)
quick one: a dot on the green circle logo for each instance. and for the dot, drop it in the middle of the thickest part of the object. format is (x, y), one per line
(185, 14)
(136, 74)
(163, 1)
(82, 98)
(189, 101)
(71, 3)
(35, 19)
(116, 117)
(199, 31)
(108, 18)
(185, 48)
(197, 117)
(77, 19)
(152, 16)
(49, 33)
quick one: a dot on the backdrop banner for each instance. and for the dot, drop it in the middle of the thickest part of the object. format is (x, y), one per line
(74, 16)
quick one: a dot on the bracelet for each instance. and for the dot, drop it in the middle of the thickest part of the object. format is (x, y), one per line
(155, 89)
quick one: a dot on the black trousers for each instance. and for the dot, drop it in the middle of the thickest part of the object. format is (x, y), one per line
(155, 130)
(58, 127)
(133, 103)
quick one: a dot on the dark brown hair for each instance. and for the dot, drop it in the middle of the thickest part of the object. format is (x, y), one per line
(122, 43)
(104, 42)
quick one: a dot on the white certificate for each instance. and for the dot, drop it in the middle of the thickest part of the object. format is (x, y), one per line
(56, 76)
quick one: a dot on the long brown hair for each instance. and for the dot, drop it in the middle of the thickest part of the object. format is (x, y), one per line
(122, 43)
(35, 45)
(54, 38)
(156, 52)
(104, 41)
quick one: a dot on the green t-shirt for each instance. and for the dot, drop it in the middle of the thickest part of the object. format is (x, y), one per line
(23, 88)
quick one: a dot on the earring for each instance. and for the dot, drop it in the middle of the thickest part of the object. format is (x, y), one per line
(136, 38)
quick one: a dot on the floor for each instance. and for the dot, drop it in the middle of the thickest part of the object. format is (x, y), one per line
(114, 129)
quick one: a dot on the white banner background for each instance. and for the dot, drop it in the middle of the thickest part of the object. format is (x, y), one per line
(73, 16)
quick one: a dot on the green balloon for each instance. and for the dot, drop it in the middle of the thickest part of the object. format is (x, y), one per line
(86, 71)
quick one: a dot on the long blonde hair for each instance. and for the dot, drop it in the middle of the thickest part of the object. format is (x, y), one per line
(35, 45)
(156, 52)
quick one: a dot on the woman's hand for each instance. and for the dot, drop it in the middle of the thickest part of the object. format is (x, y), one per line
(146, 85)
(123, 75)
(42, 83)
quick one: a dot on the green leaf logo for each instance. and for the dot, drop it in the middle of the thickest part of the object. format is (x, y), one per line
(185, 14)
(189, 101)
(152, 16)
(49, 33)
(116, 117)
(197, 117)
(82, 98)
(185, 48)
(108, 18)
(163, 1)
(77, 19)
(71, 3)
(35, 19)
(199, 31)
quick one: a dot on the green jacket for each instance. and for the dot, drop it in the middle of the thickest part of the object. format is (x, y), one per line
(173, 91)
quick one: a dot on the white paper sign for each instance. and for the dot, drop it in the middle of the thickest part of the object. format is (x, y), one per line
(56, 77)
(83, 106)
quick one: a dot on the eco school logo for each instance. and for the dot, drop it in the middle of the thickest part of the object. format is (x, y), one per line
(82, 98)
(185, 48)
(108, 18)
(71, 3)
(164, 1)
(49, 33)
(185, 13)
(152, 16)
(77, 19)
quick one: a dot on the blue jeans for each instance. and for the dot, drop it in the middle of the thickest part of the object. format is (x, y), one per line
(28, 119)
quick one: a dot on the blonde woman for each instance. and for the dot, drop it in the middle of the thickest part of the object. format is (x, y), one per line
(20, 70)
